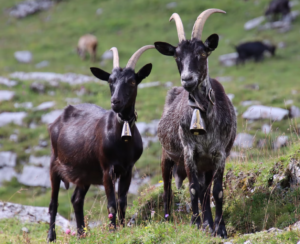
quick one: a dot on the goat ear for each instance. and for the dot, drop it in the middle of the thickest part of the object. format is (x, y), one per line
(144, 72)
(100, 74)
(165, 48)
(212, 42)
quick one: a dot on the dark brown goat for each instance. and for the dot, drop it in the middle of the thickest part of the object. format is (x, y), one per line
(278, 7)
(87, 147)
(201, 158)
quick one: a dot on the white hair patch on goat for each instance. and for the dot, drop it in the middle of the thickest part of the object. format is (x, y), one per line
(112, 210)
(220, 194)
(193, 191)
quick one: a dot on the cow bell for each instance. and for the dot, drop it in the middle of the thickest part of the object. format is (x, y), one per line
(197, 124)
(126, 133)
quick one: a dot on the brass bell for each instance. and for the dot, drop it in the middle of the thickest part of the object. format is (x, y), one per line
(126, 133)
(197, 124)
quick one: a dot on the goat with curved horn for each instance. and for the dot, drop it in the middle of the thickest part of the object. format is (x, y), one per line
(135, 57)
(199, 23)
(115, 57)
(179, 26)
(197, 128)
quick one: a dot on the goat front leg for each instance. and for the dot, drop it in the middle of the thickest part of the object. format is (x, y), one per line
(166, 166)
(108, 180)
(191, 172)
(124, 185)
(219, 228)
(77, 200)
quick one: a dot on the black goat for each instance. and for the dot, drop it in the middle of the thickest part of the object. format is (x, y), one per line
(87, 147)
(201, 158)
(254, 50)
(278, 7)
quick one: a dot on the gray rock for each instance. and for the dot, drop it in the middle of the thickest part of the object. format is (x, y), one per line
(6, 95)
(29, 7)
(37, 87)
(243, 140)
(24, 229)
(294, 112)
(237, 155)
(252, 87)
(45, 105)
(263, 112)
(74, 100)
(148, 84)
(248, 103)
(228, 59)
(248, 242)
(43, 143)
(169, 84)
(230, 96)
(35, 176)
(7, 173)
(12, 117)
(107, 55)
(228, 242)
(148, 128)
(8, 159)
(43, 161)
(51, 117)
(27, 105)
(69, 78)
(42, 64)
(7, 82)
(171, 5)
(148, 140)
(281, 141)
(224, 78)
(281, 45)
(13, 137)
(288, 102)
(23, 56)
(99, 11)
(266, 128)
(294, 173)
(254, 23)
(30, 214)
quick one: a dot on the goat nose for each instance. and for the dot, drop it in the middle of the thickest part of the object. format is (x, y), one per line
(115, 101)
(186, 78)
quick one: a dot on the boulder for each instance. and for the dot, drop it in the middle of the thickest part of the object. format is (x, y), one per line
(107, 55)
(23, 56)
(281, 141)
(228, 59)
(8, 159)
(148, 128)
(294, 112)
(27, 105)
(12, 117)
(243, 140)
(37, 87)
(7, 82)
(45, 105)
(254, 23)
(35, 176)
(266, 128)
(31, 214)
(7, 173)
(6, 95)
(263, 112)
(43, 161)
(51, 117)
(29, 7)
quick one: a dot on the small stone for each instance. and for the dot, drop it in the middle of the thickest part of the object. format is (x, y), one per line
(281, 142)
(12, 117)
(6, 95)
(228, 59)
(27, 105)
(51, 117)
(263, 112)
(107, 55)
(99, 11)
(24, 229)
(254, 23)
(252, 87)
(13, 137)
(230, 96)
(42, 64)
(23, 56)
(43, 143)
(37, 87)
(171, 5)
(294, 112)
(243, 140)
(7, 82)
(45, 105)
(266, 128)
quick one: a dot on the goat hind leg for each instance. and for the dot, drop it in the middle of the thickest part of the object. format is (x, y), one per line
(166, 166)
(78, 202)
(55, 184)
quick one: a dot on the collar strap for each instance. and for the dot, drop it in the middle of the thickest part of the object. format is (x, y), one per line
(131, 121)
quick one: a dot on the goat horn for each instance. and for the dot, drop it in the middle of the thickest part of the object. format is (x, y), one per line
(135, 57)
(179, 26)
(115, 57)
(200, 21)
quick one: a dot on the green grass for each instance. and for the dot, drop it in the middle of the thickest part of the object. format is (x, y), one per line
(52, 35)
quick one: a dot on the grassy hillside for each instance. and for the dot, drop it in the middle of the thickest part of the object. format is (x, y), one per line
(52, 35)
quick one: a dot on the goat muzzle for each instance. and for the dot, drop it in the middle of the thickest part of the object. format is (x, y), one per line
(197, 124)
(126, 133)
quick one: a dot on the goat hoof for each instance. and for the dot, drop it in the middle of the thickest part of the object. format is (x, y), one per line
(51, 236)
(220, 231)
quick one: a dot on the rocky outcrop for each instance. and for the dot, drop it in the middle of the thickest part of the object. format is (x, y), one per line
(256, 112)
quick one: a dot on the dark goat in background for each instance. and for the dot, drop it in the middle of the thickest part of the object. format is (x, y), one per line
(254, 50)
(87, 147)
(201, 158)
(278, 7)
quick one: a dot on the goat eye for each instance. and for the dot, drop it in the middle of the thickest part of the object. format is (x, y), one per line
(208, 53)
(203, 54)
